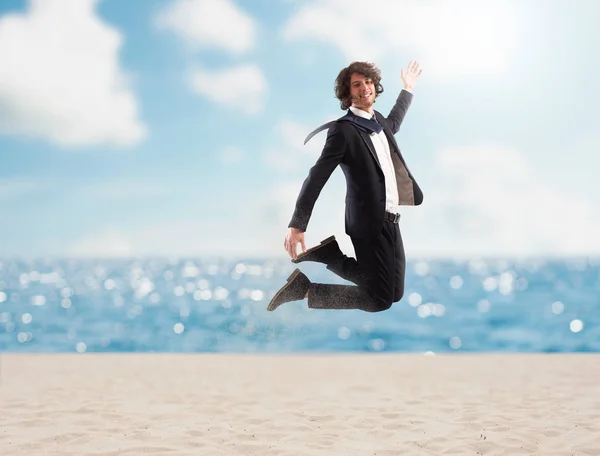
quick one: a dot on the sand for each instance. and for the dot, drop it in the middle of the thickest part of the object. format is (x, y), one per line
(379, 404)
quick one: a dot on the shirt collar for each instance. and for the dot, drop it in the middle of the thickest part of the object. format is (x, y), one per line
(361, 113)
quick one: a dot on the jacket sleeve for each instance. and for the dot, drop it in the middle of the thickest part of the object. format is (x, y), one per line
(331, 156)
(396, 116)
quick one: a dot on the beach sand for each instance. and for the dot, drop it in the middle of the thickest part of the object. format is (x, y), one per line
(347, 405)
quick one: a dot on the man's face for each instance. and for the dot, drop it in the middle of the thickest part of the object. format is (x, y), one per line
(362, 92)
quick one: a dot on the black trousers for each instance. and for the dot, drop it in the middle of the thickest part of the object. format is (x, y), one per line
(378, 272)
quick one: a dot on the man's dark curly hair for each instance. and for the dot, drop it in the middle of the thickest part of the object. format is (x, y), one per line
(342, 82)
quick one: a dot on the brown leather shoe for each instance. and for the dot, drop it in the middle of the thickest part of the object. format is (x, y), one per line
(322, 253)
(294, 290)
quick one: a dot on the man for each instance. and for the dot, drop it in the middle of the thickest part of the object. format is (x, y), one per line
(378, 181)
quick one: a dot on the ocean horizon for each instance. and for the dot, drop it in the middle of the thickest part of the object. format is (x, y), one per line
(218, 304)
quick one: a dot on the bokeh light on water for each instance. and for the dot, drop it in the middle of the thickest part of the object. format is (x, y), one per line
(219, 305)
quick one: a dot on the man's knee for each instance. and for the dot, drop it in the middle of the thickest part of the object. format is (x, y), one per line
(379, 304)
(383, 300)
(381, 296)
(398, 294)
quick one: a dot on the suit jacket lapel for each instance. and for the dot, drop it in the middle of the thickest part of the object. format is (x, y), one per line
(367, 140)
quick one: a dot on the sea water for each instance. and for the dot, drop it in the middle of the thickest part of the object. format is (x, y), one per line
(219, 305)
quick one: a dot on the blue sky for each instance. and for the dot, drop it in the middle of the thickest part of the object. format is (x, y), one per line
(175, 127)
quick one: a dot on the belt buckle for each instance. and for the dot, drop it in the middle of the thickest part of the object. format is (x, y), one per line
(396, 218)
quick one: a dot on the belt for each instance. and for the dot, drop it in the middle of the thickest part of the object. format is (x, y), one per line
(392, 217)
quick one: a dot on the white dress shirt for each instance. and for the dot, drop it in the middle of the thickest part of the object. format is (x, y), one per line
(382, 149)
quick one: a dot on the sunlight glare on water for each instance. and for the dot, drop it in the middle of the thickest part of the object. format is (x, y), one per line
(220, 305)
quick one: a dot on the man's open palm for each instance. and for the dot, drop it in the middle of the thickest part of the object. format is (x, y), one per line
(411, 74)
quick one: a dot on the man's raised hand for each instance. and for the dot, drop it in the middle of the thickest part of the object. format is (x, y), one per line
(291, 241)
(413, 71)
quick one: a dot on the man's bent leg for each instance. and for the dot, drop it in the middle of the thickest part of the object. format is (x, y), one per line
(347, 268)
(374, 270)
(330, 254)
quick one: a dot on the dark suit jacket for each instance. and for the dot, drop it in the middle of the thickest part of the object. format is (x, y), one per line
(353, 150)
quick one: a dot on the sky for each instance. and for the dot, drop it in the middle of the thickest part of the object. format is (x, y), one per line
(175, 127)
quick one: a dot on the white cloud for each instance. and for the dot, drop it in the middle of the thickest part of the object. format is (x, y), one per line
(449, 38)
(210, 23)
(242, 87)
(61, 79)
(489, 201)
(219, 24)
